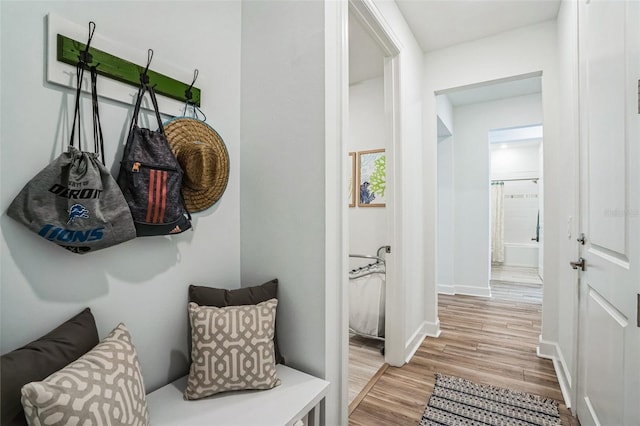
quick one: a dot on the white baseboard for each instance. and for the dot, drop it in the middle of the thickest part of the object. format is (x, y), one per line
(426, 329)
(464, 289)
(431, 329)
(552, 351)
(548, 350)
(446, 289)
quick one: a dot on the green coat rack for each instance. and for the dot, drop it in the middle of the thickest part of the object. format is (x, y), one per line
(124, 71)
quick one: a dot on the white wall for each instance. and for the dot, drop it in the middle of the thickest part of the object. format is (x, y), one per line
(367, 130)
(541, 182)
(520, 52)
(515, 160)
(472, 256)
(283, 170)
(446, 225)
(520, 212)
(143, 282)
(445, 114)
(408, 246)
(445, 194)
(521, 197)
(559, 337)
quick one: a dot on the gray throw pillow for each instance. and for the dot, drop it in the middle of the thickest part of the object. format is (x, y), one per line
(103, 387)
(220, 297)
(232, 349)
(38, 359)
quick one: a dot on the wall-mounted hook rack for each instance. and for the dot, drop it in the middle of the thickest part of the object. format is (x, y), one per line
(188, 93)
(85, 56)
(144, 76)
(124, 71)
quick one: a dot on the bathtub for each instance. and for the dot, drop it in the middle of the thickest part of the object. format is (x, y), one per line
(521, 254)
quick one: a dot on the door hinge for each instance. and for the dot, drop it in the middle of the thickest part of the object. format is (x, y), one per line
(638, 96)
(638, 310)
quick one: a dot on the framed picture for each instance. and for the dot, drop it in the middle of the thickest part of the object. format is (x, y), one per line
(372, 178)
(351, 177)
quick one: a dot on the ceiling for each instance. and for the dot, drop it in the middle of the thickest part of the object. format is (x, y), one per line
(438, 24)
(493, 91)
(366, 59)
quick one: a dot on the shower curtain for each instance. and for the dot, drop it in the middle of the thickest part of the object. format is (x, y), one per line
(497, 222)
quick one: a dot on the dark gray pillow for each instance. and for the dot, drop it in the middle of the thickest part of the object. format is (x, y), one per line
(220, 298)
(41, 358)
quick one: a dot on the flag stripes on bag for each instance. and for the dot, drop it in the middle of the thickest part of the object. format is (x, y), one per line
(157, 196)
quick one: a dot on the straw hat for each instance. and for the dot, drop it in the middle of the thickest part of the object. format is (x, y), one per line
(204, 159)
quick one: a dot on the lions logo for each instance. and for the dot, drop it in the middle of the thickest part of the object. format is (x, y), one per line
(76, 211)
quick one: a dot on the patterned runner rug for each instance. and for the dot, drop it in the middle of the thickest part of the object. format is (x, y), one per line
(457, 401)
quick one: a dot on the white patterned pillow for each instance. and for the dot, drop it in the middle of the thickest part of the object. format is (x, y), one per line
(232, 348)
(103, 387)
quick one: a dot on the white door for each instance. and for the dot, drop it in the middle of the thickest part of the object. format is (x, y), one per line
(609, 336)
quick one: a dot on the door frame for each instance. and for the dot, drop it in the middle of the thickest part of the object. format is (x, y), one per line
(336, 204)
(373, 22)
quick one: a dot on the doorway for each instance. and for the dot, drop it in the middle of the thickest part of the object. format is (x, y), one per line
(367, 230)
(374, 319)
(516, 209)
(506, 112)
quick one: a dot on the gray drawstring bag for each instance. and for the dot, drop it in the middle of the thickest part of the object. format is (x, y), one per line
(74, 201)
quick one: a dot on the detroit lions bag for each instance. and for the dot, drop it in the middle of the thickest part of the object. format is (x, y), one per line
(74, 201)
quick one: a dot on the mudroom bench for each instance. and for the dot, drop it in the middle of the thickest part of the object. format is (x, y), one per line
(49, 378)
(295, 401)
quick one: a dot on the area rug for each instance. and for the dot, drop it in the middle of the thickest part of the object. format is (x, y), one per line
(457, 401)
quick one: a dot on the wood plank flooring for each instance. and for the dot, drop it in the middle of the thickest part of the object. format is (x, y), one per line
(518, 274)
(365, 360)
(524, 292)
(486, 340)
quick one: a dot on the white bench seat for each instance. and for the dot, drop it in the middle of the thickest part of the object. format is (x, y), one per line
(298, 395)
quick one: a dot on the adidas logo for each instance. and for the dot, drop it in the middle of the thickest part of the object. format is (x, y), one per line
(176, 230)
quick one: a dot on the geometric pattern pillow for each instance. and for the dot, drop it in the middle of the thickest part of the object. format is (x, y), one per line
(232, 349)
(40, 358)
(103, 387)
(246, 295)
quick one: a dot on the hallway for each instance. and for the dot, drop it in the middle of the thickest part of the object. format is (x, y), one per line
(516, 284)
(490, 341)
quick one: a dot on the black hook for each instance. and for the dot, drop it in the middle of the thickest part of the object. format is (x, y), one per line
(85, 57)
(187, 93)
(144, 78)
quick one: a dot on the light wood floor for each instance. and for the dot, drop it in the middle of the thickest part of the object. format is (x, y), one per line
(516, 292)
(365, 359)
(489, 341)
(519, 274)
